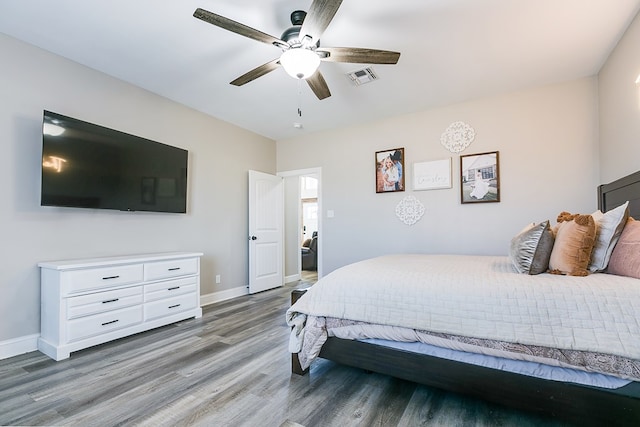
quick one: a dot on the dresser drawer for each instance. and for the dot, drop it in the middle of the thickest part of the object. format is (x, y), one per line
(98, 324)
(170, 288)
(166, 269)
(96, 278)
(169, 306)
(103, 301)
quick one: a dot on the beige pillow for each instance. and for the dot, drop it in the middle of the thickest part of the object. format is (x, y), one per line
(573, 245)
(609, 226)
(531, 248)
(625, 259)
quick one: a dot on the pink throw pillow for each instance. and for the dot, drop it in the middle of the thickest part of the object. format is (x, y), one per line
(625, 259)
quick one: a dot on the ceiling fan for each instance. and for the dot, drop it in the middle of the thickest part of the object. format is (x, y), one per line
(300, 44)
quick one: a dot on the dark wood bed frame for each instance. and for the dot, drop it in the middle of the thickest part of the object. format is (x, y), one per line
(583, 405)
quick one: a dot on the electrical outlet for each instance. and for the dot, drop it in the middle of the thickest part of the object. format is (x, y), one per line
(217, 278)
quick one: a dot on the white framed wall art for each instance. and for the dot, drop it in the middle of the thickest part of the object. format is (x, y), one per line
(432, 175)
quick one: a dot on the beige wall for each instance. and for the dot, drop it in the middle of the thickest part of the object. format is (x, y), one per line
(547, 139)
(619, 101)
(220, 155)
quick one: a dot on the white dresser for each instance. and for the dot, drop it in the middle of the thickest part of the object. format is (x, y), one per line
(86, 302)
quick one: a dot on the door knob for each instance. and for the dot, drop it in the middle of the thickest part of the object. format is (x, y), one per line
(253, 238)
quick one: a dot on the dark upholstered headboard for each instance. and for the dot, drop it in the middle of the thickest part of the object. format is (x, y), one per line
(619, 191)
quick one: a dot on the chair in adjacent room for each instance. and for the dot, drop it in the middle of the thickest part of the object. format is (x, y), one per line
(310, 253)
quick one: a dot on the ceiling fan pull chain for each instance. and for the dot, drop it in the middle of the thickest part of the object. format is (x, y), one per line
(300, 98)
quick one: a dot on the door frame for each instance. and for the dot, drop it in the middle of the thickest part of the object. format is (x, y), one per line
(317, 173)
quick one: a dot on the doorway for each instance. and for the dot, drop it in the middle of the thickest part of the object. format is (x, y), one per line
(303, 217)
(309, 204)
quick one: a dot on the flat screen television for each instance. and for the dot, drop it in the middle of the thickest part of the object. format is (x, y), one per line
(89, 166)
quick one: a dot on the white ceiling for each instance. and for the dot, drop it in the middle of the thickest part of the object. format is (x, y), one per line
(452, 51)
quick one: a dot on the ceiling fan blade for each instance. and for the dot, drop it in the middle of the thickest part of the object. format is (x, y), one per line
(318, 85)
(236, 27)
(320, 14)
(358, 55)
(256, 72)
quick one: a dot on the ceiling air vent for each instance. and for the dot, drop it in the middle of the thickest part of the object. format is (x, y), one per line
(360, 77)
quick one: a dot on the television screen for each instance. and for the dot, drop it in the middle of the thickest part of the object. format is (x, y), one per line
(89, 166)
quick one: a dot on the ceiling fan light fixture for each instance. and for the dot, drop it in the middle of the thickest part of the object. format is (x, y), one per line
(300, 63)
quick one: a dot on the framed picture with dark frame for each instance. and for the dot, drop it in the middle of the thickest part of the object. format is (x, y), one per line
(390, 171)
(480, 177)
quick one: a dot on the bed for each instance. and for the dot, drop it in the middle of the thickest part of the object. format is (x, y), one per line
(586, 370)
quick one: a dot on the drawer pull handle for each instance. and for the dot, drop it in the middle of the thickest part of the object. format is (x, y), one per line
(108, 323)
(110, 277)
(110, 300)
(174, 288)
(174, 306)
(174, 269)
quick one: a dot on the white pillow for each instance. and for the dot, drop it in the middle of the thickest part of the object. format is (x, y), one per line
(609, 226)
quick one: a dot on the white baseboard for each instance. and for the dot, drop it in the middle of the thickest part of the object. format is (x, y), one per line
(17, 346)
(223, 295)
(292, 278)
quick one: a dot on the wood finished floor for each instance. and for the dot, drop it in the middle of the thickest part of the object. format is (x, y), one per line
(229, 368)
(309, 275)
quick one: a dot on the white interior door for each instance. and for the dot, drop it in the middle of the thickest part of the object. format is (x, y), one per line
(266, 231)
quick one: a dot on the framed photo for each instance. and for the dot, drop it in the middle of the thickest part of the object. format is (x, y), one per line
(390, 170)
(432, 175)
(480, 178)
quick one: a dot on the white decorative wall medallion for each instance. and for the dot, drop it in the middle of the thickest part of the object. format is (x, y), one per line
(457, 137)
(410, 210)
